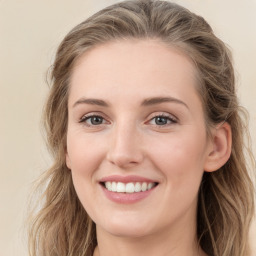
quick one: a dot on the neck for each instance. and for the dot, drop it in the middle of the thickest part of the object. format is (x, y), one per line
(171, 243)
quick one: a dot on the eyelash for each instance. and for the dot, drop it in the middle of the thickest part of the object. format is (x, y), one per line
(172, 120)
(90, 116)
(168, 118)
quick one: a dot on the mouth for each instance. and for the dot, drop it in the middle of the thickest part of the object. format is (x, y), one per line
(129, 187)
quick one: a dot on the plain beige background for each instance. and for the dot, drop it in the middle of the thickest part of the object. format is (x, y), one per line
(30, 31)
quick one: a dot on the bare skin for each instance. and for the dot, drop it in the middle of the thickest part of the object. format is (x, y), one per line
(134, 110)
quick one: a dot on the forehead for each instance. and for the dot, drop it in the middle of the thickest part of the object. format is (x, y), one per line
(134, 67)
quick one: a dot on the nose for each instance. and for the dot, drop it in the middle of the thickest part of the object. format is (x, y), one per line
(125, 149)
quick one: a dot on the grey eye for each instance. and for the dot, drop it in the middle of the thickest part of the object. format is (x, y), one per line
(92, 120)
(95, 120)
(161, 120)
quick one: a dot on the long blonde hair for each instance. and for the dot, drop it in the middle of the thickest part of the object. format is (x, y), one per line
(225, 200)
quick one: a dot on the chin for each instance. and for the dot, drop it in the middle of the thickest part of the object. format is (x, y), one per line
(128, 232)
(131, 228)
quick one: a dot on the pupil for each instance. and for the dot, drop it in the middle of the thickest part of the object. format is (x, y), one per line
(96, 120)
(161, 120)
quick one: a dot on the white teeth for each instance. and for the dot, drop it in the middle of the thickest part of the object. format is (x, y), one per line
(144, 186)
(113, 187)
(130, 187)
(137, 187)
(120, 187)
(108, 185)
(150, 185)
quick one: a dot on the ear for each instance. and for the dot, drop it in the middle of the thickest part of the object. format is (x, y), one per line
(220, 149)
(68, 164)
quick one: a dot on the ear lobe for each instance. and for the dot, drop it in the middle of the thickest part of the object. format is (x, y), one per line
(68, 164)
(221, 148)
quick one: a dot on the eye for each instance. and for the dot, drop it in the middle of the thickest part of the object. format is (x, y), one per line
(162, 120)
(92, 120)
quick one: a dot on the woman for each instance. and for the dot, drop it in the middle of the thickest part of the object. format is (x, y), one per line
(147, 138)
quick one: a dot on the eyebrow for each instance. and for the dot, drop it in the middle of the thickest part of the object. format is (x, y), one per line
(159, 100)
(97, 102)
(146, 102)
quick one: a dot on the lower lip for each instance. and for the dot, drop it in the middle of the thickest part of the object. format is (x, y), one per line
(126, 198)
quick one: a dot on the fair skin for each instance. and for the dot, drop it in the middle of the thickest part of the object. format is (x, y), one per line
(134, 110)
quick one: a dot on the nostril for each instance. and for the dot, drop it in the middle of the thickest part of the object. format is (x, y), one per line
(124, 152)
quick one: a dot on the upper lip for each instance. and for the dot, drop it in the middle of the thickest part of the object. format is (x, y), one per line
(126, 179)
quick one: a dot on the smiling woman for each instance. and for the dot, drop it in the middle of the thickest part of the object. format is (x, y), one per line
(144, 124)
(138, 138)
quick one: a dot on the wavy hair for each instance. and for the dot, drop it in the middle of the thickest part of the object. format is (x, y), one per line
(226, 197)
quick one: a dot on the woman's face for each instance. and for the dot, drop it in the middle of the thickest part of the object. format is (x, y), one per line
(136, 126)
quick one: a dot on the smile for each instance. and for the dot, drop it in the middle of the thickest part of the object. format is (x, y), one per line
(127, 189)
(131, 187)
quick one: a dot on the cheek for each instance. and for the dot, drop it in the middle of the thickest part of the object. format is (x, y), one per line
(84, 156)
(84, 153)
(180, 158)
